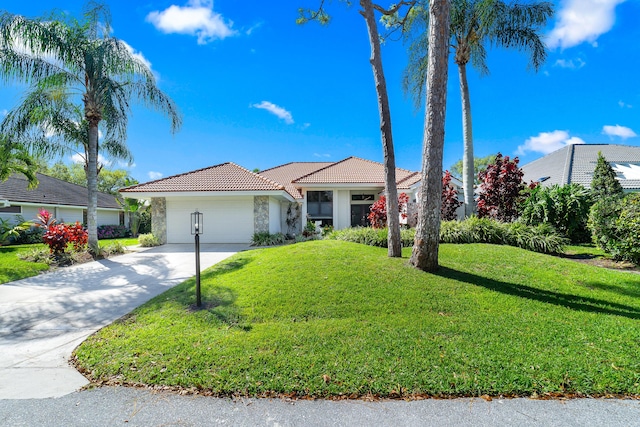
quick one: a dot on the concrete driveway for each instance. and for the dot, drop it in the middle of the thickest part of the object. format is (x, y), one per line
(43, 318)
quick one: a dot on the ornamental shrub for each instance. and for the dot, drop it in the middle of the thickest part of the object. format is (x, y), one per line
(565, 208)
(450, 202)
(264, 238)
(112, 231)
(500, 191)
(615, 224)
(148, 240)
(58, 236)
(371, 236)
(378, 212)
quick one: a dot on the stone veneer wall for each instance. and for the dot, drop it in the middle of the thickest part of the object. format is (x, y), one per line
(261, 214)
(159, 218)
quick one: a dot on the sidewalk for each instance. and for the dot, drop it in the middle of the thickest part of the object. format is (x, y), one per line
(43, 318)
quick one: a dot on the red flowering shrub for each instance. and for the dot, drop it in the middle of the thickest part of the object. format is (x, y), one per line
(450, 202)
(57, 236)
(501, 190)
(378, 212)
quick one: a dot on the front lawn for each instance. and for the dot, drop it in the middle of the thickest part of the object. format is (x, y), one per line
(328, 318)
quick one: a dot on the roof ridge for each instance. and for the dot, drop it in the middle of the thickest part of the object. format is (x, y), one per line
(61, 180)
(323, 168)
(380, 163)
(277, 184)
(173, 176)
(290, 163)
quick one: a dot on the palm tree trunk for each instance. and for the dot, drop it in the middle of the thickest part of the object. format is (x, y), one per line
(468, 169)
(92, 188)
(393, 217)
(426, 244)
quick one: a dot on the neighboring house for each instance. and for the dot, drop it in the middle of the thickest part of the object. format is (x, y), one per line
(576, 164)
(237, 203)
(67, 202)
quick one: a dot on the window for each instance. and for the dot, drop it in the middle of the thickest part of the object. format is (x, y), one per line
(362, 197)
(320, 206)
(121, 219)
(84, 217)
(12, 209)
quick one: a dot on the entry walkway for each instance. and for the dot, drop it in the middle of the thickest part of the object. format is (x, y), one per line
(43, 318)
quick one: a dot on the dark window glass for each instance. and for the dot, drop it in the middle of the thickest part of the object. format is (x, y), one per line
(359, 197)
(320, 205)
(11, 209)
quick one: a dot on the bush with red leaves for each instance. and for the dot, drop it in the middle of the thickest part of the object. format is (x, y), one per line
(378, 212)
(450, 202)
(501, 190)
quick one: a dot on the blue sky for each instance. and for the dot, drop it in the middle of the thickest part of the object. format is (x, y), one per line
(258, 90)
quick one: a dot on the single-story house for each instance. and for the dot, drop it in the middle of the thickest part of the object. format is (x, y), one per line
(236, 203)
(576, 163)
(66, 201)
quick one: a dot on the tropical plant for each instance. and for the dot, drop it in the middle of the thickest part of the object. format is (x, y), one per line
(15, 158)
(83, 65)
(475, 24)
(265, 238)
(134, 208)
(615, 226)
(565, 207)
(378, 211)
(424, 254)
(604, 183)
(9, 230)
(450, 202)
(500, 193)
(148, 240)
(479, 164)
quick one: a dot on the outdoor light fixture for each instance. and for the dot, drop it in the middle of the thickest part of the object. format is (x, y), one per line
(197, 227)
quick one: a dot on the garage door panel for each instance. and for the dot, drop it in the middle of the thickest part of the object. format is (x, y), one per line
(226, 220)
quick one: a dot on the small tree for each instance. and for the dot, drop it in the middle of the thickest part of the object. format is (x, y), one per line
(501, 189)
(604, 183)
(450, 202)
(378, 212)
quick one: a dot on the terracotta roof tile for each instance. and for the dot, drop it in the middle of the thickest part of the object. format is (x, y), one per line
(352, 170)
(222, 177)
(288, 172)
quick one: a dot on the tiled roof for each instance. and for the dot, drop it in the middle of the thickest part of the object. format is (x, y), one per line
(288, 177)
(222, 177)
(51, 191)
(289, 172)
(352, 170)
(576, 164)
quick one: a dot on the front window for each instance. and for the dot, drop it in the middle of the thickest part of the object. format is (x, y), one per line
(320, 206)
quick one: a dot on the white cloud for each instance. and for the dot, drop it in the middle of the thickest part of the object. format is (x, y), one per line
(138, 55)
(4, 112)
(196, 18)
(548, 142)
(563, 63)
(617, 130)
(155, 175)
(582, 21)
(321, 155)
(623, 104)
(276, 110)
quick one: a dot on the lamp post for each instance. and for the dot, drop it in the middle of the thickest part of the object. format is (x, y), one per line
(197, 227)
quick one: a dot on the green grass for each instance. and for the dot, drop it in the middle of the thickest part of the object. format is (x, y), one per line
(328, 318)
(12, 268)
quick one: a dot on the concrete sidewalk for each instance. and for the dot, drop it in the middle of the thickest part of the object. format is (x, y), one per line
(43, 318)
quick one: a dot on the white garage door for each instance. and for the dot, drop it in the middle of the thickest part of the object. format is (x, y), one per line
(226, 220)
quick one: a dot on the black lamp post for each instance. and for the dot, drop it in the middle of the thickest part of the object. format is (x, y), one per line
(197, 227)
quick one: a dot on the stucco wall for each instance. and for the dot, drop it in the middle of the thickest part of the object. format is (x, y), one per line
(274, 216)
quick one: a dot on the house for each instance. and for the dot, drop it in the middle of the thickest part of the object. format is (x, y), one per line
(576, 164)
(237, 203)
(66, 201)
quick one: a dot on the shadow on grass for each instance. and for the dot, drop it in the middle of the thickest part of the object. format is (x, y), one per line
(629, 290)
(574, 302)
(219, 301)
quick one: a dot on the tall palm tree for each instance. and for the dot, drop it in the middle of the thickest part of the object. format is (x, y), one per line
(83, 63)
(475, 24)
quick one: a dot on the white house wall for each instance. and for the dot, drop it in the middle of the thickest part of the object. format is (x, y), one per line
(66, 214)
(274, 216)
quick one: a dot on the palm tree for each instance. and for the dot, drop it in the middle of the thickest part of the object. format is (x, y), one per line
(473, 25)
(82, 62)
(14, 158)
